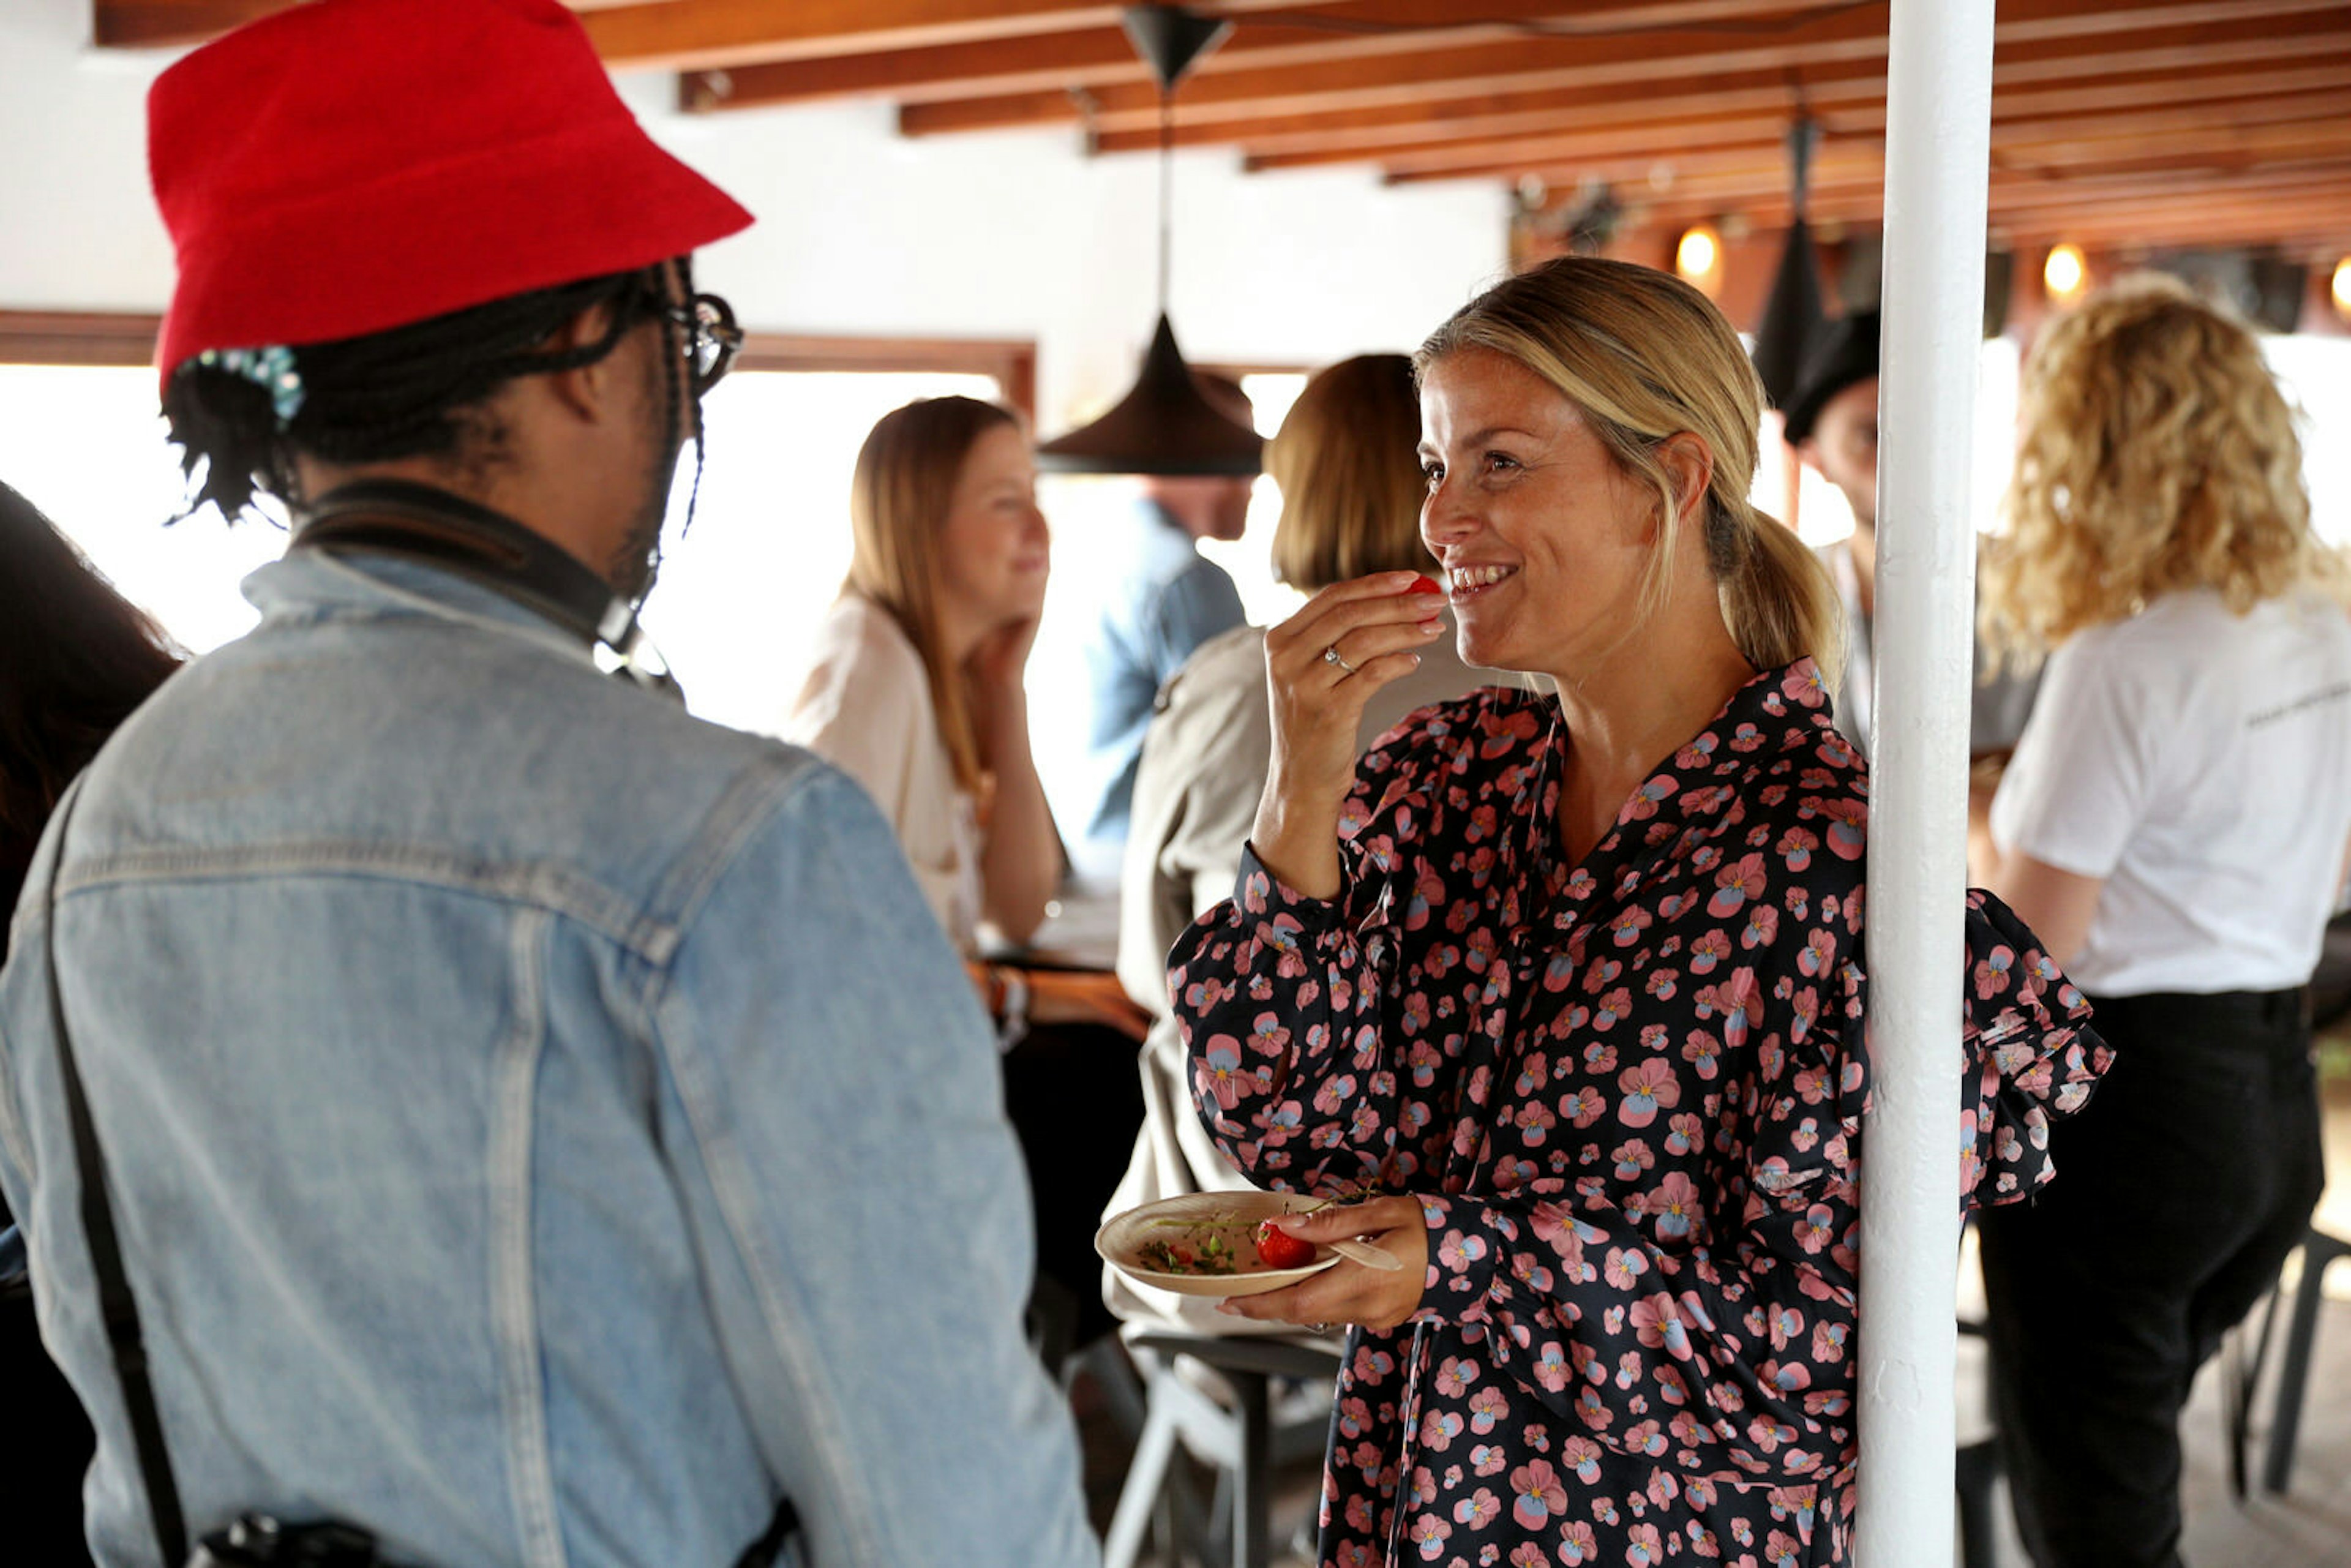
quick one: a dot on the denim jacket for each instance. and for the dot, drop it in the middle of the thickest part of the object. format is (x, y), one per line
(543, 1126)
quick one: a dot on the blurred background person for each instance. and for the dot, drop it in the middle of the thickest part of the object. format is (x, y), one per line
(1167, 600)
(75, 658)
(1831, 420)
(1351, 494)
(917, 692)
(2174, 826)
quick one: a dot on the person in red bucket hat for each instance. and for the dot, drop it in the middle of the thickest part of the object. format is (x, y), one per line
(463, 1109)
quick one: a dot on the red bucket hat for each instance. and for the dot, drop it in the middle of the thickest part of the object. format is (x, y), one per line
(349, 166)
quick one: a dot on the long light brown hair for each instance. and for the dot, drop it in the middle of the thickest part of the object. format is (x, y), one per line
(2156, 454)
(1644, 357)
(1351, 485)
(898, 504)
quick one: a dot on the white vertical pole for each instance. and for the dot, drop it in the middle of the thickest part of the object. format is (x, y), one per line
(1938, 151)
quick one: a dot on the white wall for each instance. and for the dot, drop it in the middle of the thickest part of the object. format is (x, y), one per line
(78, 227)
(1004, 235)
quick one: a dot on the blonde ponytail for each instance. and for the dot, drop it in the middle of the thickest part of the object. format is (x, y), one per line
(1778, 600)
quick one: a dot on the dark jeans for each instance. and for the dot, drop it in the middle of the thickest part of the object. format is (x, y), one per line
(1075, 1096)
(2180, 1190)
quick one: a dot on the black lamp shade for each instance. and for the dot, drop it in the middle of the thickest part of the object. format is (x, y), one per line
(1794, 319)
(1162, 427)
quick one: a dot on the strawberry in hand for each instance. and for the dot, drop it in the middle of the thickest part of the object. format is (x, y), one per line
(1277, 1248)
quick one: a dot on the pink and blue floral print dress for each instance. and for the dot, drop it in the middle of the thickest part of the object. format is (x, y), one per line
(1628, 1095)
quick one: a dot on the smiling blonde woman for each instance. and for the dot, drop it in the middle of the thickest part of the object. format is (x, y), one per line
(1568, 989)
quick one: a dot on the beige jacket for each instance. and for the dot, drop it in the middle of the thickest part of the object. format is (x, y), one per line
(1204, 761)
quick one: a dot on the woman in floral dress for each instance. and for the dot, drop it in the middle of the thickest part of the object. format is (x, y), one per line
(1582, 1026)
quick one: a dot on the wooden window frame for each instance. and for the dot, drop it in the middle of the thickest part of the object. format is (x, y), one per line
(77, 337)
(128, 338)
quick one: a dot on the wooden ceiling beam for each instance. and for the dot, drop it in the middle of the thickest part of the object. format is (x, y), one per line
(177, 24)
(169, 23)
(1367, 134)
(2278, 122)
(2290, 202)
(2105, 78)
(1103, 56)
(2182, 230)
(2296, 201)
(1618, 65)
(2122, 189)
(1701, 117)
(2224, 153)
(702, 34)
(706, 33)
(2286, 222)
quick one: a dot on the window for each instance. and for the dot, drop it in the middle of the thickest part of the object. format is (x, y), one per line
(737, 597)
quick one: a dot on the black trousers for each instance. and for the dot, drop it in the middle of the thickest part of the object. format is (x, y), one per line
(2180, 1190)
(1075, 1095)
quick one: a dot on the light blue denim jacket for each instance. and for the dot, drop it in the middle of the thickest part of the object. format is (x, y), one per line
(542, 1124)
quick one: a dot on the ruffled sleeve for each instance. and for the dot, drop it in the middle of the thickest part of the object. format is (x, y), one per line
(2031, 1056)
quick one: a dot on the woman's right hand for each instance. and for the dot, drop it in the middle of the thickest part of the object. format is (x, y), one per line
(1376, 624)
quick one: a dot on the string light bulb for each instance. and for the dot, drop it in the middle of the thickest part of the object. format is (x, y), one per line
(2065, 272)
(2342, 286)
(1699, 257)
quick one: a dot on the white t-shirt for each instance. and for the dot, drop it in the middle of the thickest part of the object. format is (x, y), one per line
(2200, 764)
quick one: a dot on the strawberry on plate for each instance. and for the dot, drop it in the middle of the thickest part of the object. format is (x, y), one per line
(1277, 1248)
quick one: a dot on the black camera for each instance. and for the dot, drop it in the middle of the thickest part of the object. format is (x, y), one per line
(257, 1541)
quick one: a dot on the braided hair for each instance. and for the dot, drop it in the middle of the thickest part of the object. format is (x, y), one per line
(412, 390)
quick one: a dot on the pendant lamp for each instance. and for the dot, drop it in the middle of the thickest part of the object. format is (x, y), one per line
(1164, 426)
(1794, 316)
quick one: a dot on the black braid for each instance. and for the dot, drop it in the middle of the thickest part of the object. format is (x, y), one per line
(404, 393)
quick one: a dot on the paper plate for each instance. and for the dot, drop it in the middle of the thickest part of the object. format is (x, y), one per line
(1197, 1222)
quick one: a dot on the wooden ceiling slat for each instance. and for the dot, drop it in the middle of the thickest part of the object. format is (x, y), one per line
(1856, 108)
(698, 35)
(156, 23)
(2297, 199)
(2099, 75)
(2288, 224)
(1363, 134)
(2082, 136)
(1103, 56)
(2230, 153)
(1618, 64)
(2173, 229)
(2225, 158)
(171, 24)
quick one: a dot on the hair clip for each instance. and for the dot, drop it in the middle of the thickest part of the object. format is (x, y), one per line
(272, 369)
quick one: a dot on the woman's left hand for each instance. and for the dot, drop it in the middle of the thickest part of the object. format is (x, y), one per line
(1349, 1291)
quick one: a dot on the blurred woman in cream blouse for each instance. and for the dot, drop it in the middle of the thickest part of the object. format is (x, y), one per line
(916, 690)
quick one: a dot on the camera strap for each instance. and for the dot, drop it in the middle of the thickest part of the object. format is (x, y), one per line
(117, 1305)
(397, 518)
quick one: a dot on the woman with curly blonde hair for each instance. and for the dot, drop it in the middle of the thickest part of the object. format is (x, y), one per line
(2174, 825)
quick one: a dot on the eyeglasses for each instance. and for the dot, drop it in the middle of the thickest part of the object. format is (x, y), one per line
(712, 339)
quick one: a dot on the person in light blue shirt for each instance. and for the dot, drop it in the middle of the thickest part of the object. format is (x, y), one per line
(544, 1130)
(1167, 600)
